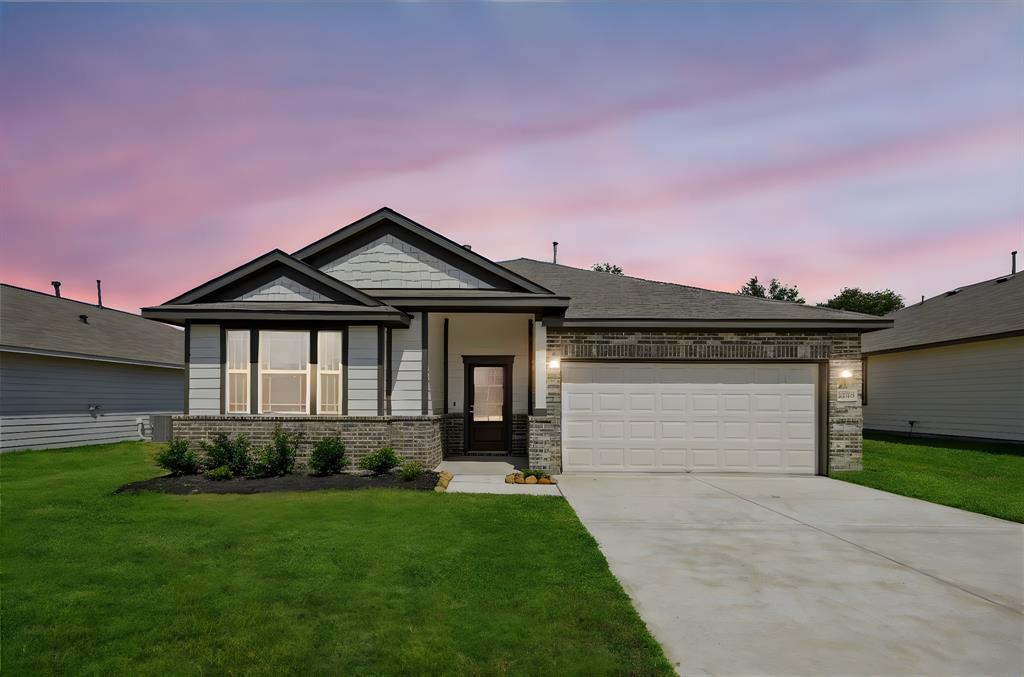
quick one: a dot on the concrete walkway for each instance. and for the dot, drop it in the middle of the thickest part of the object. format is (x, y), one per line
(747, 575)
(486, 475)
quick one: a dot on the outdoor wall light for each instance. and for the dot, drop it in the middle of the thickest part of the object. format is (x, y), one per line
(846, 373)
(554, 364)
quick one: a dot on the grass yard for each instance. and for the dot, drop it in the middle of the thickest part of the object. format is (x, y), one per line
(327, 582)
(975, 476)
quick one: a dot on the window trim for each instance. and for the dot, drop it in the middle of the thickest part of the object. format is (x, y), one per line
(261, 371)
(228, 371)
(320, 371)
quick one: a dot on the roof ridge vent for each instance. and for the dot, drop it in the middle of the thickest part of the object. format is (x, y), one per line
(953, 291)
(1003, 279)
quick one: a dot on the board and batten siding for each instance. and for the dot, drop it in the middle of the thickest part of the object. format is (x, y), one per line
(362, 371)
(407, 369)
(45, 401)
(204, 366)
(966, 390)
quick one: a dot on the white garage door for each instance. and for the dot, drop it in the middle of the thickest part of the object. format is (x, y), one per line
(682, 417)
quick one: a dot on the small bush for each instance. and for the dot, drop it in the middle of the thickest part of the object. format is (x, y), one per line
(278, 457)
(328, 457)
(220, 473)
(380, 461)
(178, 458)
(411, 470)
(531, 472)
(232, 453)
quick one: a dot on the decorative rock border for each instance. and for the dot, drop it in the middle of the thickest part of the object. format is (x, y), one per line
(519, 478)
(442, 481)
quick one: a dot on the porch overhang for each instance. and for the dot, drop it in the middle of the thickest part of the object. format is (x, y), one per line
(285, 311)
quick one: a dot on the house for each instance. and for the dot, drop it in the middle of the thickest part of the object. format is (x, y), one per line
(952, 365)
(385, 332)
(74, 373)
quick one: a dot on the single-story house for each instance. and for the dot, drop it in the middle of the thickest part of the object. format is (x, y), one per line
(74, 373)
(951, 366)
(386, 332)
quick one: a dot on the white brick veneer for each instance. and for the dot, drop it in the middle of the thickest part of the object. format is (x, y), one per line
(283, 289)
(390, 263)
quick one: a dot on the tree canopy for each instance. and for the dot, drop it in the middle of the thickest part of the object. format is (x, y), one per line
(607, 268)
(776, 290)
(879, 302)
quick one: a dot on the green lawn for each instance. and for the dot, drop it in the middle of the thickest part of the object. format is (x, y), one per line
(330, 582)
(975, 476)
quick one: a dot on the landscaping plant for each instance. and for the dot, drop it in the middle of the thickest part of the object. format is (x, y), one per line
(328, 457)
(411, 470)
(178, 458)
(380, 461)
(223, 451)
(221, 473)
(278, 457)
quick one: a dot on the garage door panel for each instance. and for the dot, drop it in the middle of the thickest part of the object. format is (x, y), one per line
(689, 417)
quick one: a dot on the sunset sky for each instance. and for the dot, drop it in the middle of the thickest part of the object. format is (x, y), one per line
(845, 144)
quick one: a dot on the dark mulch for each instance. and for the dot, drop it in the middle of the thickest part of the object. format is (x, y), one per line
(200, 484)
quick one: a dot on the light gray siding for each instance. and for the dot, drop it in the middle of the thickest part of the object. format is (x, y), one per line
(283, 289)
(407, 369)
(45, 401)
(362, 371)
(390, 263)
(204, 395)
(969, 390)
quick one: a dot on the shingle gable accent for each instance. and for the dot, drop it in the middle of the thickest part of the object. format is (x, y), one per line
(283, 289)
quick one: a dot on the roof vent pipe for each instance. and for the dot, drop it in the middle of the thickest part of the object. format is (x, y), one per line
(554, 252)
(84, 319)
(467, 247)
(1013, 264)
(99, 295)
(56, 288)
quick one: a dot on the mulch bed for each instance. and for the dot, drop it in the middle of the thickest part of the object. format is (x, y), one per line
(200, 484)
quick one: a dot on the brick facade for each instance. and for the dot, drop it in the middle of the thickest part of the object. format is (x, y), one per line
(839, 350)
(414, 438)
(453, 429)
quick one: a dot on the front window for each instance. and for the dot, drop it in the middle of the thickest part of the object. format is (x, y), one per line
(237, 397)
(328, 400)
(284, 372)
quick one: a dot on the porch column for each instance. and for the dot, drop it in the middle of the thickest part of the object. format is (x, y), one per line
(540, 368)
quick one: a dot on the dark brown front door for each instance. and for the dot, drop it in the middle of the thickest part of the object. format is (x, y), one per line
(488, 403)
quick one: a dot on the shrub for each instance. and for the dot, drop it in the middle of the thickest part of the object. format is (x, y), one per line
(219, 474)
(328, 457)
(531, 472)
(178, 458)
(278, 457)
(411, 470)
(224, 451)
(380, 461)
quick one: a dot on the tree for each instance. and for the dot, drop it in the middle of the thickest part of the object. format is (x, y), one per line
(879, 302)
(607, 268)
(776, 290)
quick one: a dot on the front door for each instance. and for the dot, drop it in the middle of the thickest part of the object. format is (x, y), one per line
(488, 404)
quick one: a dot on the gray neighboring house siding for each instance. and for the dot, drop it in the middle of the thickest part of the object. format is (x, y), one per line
(65, 382)
(953, 364)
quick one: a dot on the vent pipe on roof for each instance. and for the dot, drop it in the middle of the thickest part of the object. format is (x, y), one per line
(84, 319)
(1013, 263)
(99, 295)
(56, 288)
(554, 252)
(466, 246)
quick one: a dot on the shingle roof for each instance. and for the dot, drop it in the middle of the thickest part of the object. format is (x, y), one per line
(988, 308)
(38, 322)
(600, 296)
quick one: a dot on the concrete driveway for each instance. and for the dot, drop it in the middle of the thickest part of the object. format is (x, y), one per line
(748, 575)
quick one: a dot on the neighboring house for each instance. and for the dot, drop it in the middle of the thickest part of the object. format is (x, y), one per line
(385, 332)
(72, 373)
(953, 364)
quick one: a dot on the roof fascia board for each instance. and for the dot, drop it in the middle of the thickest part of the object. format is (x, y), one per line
(182, 315)
(93, 358)
(762, 325)
(273, 257)
(386, 213)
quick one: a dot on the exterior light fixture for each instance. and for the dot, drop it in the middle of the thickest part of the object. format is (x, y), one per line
(554, 364)
(846, 373)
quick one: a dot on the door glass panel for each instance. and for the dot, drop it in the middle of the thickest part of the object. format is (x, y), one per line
(488, 393)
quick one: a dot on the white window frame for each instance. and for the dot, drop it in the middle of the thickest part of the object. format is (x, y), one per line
(333, 372)
(261, 371)
(229, 371)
